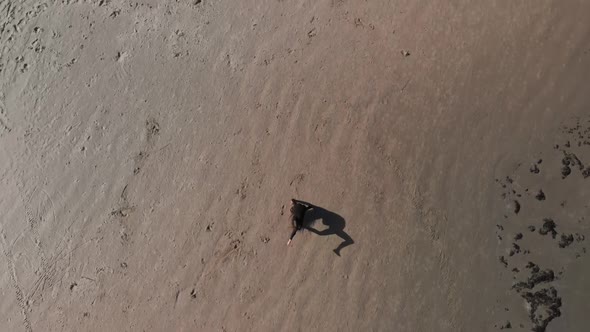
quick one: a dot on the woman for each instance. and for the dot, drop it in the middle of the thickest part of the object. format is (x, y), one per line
(298, 209)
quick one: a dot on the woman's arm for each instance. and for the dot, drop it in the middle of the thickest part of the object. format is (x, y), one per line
(292, 236)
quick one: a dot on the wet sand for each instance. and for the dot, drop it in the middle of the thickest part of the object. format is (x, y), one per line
(149, 150)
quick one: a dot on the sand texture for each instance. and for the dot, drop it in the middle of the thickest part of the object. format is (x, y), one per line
(149, 150)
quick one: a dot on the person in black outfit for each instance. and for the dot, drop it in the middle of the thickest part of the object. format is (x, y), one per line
(298, 209)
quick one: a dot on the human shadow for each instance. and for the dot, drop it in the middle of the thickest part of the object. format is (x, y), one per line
(333, 221)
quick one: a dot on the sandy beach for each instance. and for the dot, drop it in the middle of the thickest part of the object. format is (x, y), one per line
(149, 150)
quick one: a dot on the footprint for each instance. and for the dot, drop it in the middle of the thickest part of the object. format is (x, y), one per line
(153, 129)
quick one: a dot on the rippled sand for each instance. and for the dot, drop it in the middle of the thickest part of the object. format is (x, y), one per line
(149, 149)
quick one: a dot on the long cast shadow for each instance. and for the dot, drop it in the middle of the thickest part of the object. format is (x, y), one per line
(333, 221)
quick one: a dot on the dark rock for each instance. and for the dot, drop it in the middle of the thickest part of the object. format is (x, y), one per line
(518, 236)
(541, 277)
(534, 169)
(516, 207)
(506, 326)
(565, 171)
(548, 227)
(515, 249)
(531, 228)
(566, 161)
(544, 305)
(540, 195)
(537, 277)
(586, 172)
(534, 267)
(566, 240)
(571, 159)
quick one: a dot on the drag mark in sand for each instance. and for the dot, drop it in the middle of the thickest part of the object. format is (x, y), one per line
(152, 133)
(20, 299)
(4, 127)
